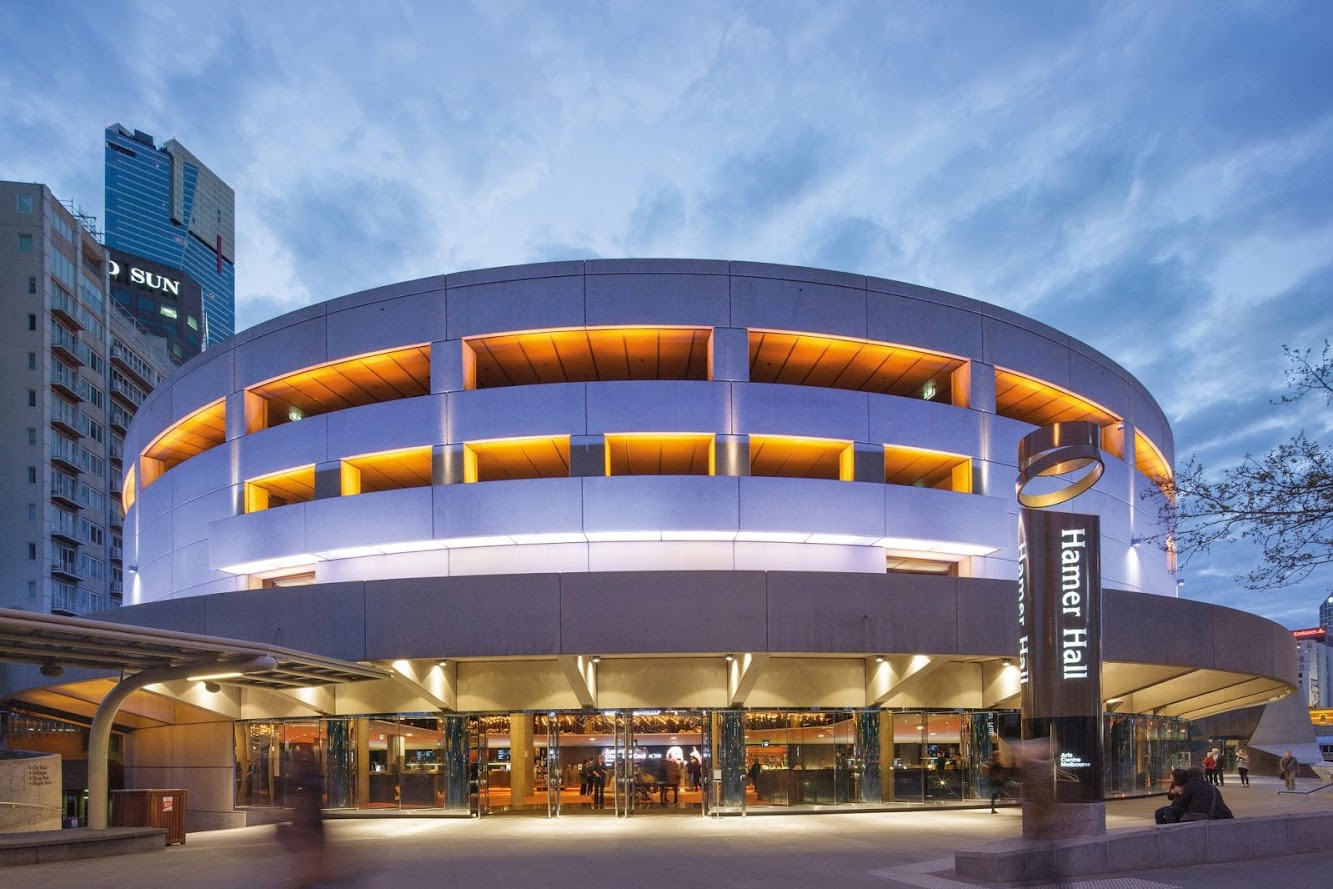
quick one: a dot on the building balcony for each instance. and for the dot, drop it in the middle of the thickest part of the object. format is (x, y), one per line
(125, 359)
(65, 380)
(65, 416)
(130, 394)
(66, 491)
(119, 418)
(65, 344)
(65, 568)
(64, 307)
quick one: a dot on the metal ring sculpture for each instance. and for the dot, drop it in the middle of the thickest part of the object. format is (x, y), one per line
(1059, 449)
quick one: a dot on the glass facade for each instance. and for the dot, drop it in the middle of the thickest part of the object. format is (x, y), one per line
(668, 761)
(152, 215)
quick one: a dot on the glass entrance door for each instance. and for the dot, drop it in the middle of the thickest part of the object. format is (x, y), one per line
(550, 771)
(625, 772)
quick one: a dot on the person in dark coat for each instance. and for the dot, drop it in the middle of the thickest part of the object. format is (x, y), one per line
(1197, 801)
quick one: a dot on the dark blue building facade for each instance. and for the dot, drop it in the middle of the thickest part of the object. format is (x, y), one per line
(165, 206)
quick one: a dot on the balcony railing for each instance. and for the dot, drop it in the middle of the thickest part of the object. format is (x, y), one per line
(133, 363)
(65, 342)
(67, 307)
(66, 489)
(119, 417)
(65, 414)
(128, 391)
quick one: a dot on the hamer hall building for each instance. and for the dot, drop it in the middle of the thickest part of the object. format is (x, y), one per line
(732, 536)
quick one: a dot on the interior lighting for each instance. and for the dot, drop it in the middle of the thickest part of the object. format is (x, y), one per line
(51, 669)
(468, 542)
(349, 552)
(879, 658)
(730, 658)
(205, 677)
(622, 536)
(259, 566)
(409, 546)
(551, 537)
(212, 687)
(772, 536)
(843, 539)
(596, 658)
(1006, 663)
(294, 414)
(699, 535)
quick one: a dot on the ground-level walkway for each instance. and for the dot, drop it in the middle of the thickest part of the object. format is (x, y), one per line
(882, 850)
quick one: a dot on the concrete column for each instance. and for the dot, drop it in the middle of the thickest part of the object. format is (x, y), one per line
(449, 463)
(520, 756)
(246, 413)
(729, 355)
(453, 367)
(328, 479)
(867, 462)
(362, 761)
(587, 456)
(974, 387)
(731, 455)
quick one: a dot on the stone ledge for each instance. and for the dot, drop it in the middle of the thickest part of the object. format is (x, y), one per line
(43, 846)
(1168, 845)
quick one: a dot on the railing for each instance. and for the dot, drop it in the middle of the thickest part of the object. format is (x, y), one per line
(64, 449)
(1295, 793)
(119, 416)
(63, 339)
(65, 376)
(65, 413)
(127, 390)
(65, 487)
(65, 526)
(66, 305)
(134, 363)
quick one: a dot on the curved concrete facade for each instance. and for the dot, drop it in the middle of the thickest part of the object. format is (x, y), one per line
(652, 485)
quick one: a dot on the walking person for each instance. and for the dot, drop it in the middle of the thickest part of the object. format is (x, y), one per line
(1243, 766)
(1286, 767)
(597, 784)
(1210, 768)
(1219, 768)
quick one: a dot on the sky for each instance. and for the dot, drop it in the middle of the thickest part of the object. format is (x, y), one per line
(1152, 178)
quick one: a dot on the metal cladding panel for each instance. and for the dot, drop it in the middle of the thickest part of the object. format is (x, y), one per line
(658, 406)
(914, 423)
(814, 506)
(807, 411)
(387, 426)
(930, 514)
(666, 612)
(658, 299)
(517, 412)
(523, 304)
(156, 540)
(652, 503)
(435, 617)
(199, 385)
(191, 522)
(1095, 381)
(270, 534)
(868, 614)
(778, 304)
(387, 324)
(892, 318)
(200, 476)
(283, 351)
(367, 519)
(526, 506)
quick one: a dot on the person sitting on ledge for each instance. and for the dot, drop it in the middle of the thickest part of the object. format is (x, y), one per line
(1194, 799)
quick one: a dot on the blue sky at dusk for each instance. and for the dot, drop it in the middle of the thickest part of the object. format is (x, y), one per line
(1154, 179)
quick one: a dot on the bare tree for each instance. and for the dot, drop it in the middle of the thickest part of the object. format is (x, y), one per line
(1281, 500)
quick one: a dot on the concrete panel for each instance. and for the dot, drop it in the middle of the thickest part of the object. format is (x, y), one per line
(286, 350)
(155, 501)
(1227, 840)
(201, 384)
(774, 409)
(386, 426)
(731, 355)
(530, 558)
(526, 506)
(152, 417)
(1156, 630)
(328, 619)
(189, 564)
(463, 617)
(518, 411)
(891, 318)
(180, 615)
(773, 304)
(431, 284)
(914, 423)
(261, 535)
(427, 563)
(660, 502)
(686, 555)
(662, 682)
(1010, 347)
(712, 611)
(1100, 382)
(201, 476)
(816, 506)
(155, 540)
(1183, 845)
(818, 682)
(663, 266)
(692, 300)
(759, 556)
(303, 443)
(536, 270)
(514, 685)
(930, 514)
(530, 303)
(1234, 634)
(367, 519)
(658, 406)
(385, 324)
(274, 325)
(869, 614)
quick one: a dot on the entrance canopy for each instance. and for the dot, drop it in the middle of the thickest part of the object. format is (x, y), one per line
(58, 642)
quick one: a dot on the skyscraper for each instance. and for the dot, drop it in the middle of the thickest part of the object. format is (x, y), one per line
(1326, 612)
(78, 370)
(165, 206)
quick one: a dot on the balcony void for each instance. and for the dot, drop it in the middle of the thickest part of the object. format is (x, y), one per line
(202, 430)
(832, 363)
(584, 356)
(366, 379)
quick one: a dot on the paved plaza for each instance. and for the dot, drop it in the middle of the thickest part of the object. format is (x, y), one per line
(881, 850)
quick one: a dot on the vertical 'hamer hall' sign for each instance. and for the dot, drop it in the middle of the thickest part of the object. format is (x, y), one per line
(1059, 611)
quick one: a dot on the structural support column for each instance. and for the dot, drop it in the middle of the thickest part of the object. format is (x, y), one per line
(99, 735)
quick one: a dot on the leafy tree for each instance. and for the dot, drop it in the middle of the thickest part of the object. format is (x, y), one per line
(1282, 500)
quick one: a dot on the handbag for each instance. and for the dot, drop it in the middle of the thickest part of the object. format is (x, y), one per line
(1200, 816)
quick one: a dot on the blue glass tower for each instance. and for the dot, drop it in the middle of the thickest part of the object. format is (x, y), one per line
(164, 205)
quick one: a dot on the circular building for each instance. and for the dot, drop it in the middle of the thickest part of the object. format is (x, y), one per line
(732, 535)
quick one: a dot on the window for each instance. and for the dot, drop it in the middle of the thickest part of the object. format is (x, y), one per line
(32, 589)
(25, 203)
(32, 361)
(168, 311)
(25, 243)
(32, 283)
(95, 363)
(32, 512)
(32, 436)
(32, 551)
(32, 398)
(32, 475)
(32, 322)
(90, 532)
(189, 319)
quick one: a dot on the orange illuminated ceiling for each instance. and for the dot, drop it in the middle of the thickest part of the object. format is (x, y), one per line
(580, 356)
(924, 469)
(383, 376)
(906, 565)
(392, 470)
(292, 486)
(804, 360)
(204, 429)
(516, 458)
(1020, 397)
(680, 454)
(1148, 460)
(779, 456)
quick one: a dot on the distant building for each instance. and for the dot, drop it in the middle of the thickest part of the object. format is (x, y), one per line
(77, 371)
(163, 205)
(1326, 613)
(167, 302)
(1314, 664)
